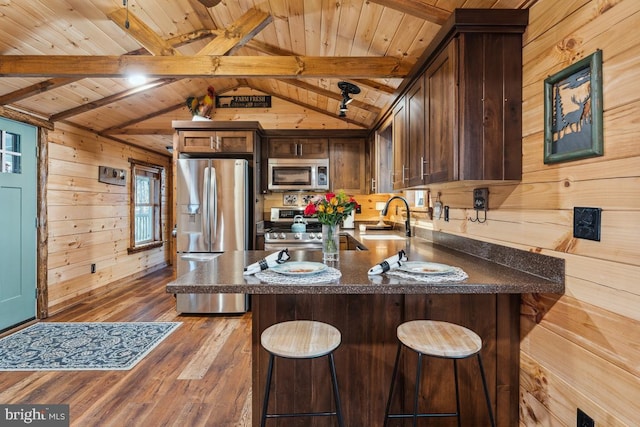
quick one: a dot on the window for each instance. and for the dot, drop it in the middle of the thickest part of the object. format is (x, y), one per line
(10, 154)
(146, 224)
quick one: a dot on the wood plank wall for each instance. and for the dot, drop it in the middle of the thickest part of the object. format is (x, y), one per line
(580, 351)
(89, 220)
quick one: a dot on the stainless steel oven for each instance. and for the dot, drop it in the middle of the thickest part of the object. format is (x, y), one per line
(279, 234)
(298, 174)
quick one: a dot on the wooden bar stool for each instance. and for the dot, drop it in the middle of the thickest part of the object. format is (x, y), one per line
(443, 340)
(301, 339)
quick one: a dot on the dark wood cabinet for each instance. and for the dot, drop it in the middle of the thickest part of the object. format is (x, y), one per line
(460, 118)
(417, 146)
(440, 117)
(309, 148)
(398, 176)
(199, 141)
(347, 165)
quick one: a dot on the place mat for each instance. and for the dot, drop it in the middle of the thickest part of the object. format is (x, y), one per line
(456, 275)
(329, 275)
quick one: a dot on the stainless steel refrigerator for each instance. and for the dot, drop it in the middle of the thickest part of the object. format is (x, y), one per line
(213, 217)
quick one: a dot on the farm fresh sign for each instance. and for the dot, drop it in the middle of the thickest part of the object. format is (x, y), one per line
(249, 101)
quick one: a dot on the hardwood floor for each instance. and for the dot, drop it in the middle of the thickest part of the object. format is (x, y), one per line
(199, 376)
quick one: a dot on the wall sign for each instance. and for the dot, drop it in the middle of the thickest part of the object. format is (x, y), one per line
(248, 101)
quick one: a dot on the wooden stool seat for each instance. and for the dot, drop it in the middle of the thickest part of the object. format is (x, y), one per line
(300, 339)
(439, 339)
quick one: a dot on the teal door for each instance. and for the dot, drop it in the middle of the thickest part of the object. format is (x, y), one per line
(18, 213)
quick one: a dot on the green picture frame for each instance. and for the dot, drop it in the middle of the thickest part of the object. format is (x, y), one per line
(573, 111)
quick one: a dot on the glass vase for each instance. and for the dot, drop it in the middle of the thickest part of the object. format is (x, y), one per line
(330, 242)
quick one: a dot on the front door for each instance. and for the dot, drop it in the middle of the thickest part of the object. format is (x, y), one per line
(18, 195)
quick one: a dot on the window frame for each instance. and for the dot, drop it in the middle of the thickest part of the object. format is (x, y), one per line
(156, 173)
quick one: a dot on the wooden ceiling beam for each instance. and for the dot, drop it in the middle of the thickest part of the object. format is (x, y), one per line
(109, 99)
(418, 8)
(142, 33)
(276, 51)
(310, 107)
(35, 89)
(329, 94)
(237, 34)
(202, 66)
(120, 129)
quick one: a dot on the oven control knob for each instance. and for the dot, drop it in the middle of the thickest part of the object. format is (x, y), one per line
(319, 236)
(282, 236)
(297, 236)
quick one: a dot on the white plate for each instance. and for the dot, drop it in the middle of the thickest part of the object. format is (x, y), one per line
(299, 268)
(419, 267)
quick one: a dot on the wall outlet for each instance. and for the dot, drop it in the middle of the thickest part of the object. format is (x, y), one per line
(93, 268)
(584, 420)
(586, 223)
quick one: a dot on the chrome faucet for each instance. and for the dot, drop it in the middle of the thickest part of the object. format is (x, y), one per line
(407, 223)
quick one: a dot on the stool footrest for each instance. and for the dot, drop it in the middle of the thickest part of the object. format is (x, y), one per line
(302, 414)
(429, 415)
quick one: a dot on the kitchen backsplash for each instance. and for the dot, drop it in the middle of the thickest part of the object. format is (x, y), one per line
(367, 203)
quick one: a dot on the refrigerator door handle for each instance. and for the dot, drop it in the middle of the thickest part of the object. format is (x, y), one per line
(205, 214)
(213, 207)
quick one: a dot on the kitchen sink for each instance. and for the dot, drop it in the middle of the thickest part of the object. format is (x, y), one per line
(381, 237)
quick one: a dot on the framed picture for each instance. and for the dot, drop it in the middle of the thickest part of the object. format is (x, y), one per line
(573, 111)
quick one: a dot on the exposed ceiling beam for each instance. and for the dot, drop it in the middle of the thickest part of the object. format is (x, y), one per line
(329, 94)
(120, 129)
(202, 66)
(109, 99)
(141, 32)
(237, 34)
(310, 107)
(418, 8)
(276, 51)
(35, 89)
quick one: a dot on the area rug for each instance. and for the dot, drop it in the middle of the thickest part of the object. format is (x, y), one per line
(78, 346)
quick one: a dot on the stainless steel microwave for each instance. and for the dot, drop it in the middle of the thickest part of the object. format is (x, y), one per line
(298, 174)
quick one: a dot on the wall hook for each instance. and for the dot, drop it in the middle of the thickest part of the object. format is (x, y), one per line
(480, 203)
(478, 220)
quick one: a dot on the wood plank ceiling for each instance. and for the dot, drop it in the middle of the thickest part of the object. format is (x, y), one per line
(68, 60)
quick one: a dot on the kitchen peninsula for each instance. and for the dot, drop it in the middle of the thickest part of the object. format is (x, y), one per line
(367, 310)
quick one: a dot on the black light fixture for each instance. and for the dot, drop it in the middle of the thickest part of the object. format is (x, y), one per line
(347, 89)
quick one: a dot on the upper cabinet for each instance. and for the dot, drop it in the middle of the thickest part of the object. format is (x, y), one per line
(460, 116)
(346, 165)
(308, 148)
(211, 138)
(197, 141)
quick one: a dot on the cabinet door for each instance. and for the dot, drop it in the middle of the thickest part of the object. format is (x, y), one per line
(234, 141)
(417, 150)
(442, 110)
(346, 165)
(398, 178)
(283, 148)
(314, 148)
(197, 142)
(308, 148)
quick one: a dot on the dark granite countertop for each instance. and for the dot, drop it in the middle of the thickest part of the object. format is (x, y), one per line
(492, 269)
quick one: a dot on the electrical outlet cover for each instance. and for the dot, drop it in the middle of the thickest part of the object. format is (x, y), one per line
(586, 223)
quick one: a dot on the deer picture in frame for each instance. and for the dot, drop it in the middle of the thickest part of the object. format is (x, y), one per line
(573, 111)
